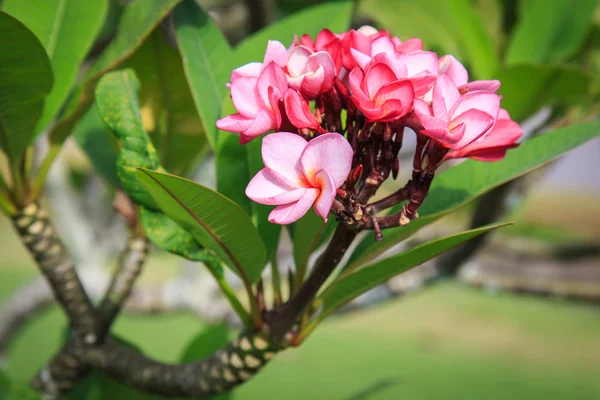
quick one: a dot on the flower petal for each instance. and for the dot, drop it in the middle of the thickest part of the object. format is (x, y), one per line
(297, 62)
(482, 101)
(242, 95)
(271, 77)
(281, 153)
(263, 123)
(234, 123)
(327, 194)
(377, 75)
(330, 152)
(298, 111)
(476, 123)
(250, 70)
(277, 53)
(454, 69)
(486, 86)
(445, 96)
(267, 188)
(292, 212)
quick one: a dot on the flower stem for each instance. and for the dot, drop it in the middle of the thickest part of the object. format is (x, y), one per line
(287, 317)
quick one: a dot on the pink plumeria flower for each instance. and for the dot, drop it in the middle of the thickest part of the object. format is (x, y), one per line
(459, 75)
(299, 113)
(389, 46)
(276, 52)
(257, 103)
(455, 120)
(378, 93)
(300, 174)
(309, 72)
(493, 145)
(326, 41)
(360, 40)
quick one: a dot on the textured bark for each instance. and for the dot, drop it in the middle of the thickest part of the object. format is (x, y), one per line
(130, 266)
(218, 373)
(66, 368)
(43, 243)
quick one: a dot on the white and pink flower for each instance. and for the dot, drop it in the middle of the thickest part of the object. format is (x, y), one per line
(299, 175)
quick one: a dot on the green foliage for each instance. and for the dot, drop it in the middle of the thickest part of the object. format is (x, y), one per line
(207, 61)
(25, 81)
(350, 286)
(462, 184)
(93, 137)
(335, 16)
(117, 103)
(137, 22)
(527, 88)
(451, 26)
(215, 221)
(66, 29)
(13, 391)
(550, 32)
(166, 104)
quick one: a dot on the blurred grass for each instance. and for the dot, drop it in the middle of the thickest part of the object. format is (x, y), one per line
(449, 341)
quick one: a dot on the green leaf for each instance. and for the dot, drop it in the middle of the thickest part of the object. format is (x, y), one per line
(166, 104)
(353, 285)
(207, 61)
(14, 391)
(460, 185)
(550, 32)
(492, 12)
(336, 16)
(527, 88)
(118, 106)
(97, 142)
(66, 29)
(451, 26)
(480, 52)
(25, 80)
(169, 236)
(137, 22)
(211, 339)
(215, 221)
(268, 231)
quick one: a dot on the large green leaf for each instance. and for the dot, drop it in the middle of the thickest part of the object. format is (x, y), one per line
(451, 26)
(25, 80)
(14, 391)
(480, 51)
(166, 104)
(215, 221)
(137, 22)
(469, 180)
(97, 142)
(336, 16)
(169, 236)
(207, 60)
(550, 31)
(353, 285)
(117, 103)
(67, 29)
(527, 88)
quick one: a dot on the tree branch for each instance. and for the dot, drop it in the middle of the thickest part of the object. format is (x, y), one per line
(219, 373)
(285, 318)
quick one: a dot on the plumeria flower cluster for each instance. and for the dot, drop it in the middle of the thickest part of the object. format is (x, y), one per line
(339, 105)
